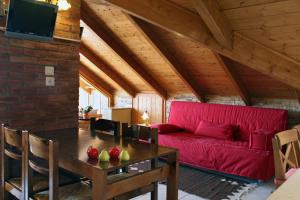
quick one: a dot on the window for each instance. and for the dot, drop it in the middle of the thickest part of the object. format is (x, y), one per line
(94, 98)
(83, 98)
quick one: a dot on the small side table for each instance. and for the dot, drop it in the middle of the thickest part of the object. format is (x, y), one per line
(84, 123)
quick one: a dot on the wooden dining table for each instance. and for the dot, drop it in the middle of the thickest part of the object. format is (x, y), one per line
(73, 145)
(289, 190)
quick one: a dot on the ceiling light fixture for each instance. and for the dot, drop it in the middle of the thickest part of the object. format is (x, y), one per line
(63, 5)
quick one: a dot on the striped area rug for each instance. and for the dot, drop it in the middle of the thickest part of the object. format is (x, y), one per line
(205, 184)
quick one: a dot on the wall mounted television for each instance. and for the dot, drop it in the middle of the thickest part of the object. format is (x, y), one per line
(31, 19)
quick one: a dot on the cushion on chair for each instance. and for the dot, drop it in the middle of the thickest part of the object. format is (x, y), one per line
(166, 128)
(41, 182)
(218, 131)
(76, 191)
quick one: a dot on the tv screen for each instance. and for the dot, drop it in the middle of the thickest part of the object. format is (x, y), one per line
(31, 19)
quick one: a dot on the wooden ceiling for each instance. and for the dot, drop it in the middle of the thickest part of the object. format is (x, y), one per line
(245, 48)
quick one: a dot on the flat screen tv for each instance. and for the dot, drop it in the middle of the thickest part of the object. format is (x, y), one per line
(31, 19)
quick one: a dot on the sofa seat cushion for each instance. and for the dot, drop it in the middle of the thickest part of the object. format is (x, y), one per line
(166, 128)
(226, 156)
(218, 131)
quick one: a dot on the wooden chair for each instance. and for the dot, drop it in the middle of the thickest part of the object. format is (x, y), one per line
(11, 155)
(107, 126)
(286, 148)
(297, 127)
(47, 151)
(149, 135)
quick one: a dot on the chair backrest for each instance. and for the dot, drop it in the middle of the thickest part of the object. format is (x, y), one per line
(140, 132)
(297, 127)
(107, 126)
(37, 151)
(286, 149)
(12, 142)
(11, 147)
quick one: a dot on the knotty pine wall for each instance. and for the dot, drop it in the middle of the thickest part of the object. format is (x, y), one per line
(152, 103)
(155, 106)
(25, 101)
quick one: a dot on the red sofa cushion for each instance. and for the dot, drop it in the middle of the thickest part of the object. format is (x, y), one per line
(261, 139)
(166, 128)
(218, 131)
(227, 156)
(188, 115)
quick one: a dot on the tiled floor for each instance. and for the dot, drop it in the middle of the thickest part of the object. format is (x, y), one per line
(261, 192)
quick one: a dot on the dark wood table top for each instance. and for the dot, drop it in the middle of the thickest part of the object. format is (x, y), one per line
(73, 144)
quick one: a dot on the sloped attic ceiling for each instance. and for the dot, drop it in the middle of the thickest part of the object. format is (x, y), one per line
(120, 41)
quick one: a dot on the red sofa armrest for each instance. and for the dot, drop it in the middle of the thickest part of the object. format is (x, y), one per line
(166, 128)
(261, 139)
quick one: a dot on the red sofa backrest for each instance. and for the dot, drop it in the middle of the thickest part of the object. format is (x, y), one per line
(187, 115)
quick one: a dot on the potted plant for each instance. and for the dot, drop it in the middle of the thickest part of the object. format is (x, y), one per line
(85, 111)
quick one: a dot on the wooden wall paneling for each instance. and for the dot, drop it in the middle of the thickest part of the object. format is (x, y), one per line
(227, 65)
(263, 10)
(231, 4)
(164, 111)
(274, 24)
(218, 25)
(107, 70)
(203, 66)
(262, 86)
(88, 16)
(297, 92)
(225, 4)
(118, 23)
(103, 51)
(180, 70)
(245, 50)
(153, 103)
(95, 81)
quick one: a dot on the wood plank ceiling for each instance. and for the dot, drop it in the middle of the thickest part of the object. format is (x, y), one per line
(131, 55)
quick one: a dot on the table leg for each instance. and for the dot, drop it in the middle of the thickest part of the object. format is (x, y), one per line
(172, 181)
(99, 184)
(154, 193)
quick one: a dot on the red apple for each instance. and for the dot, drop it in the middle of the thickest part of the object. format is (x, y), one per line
(92, 152)
(114, 152)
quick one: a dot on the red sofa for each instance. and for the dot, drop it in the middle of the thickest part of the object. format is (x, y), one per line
(247, 153)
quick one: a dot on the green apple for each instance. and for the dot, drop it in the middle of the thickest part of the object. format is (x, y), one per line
(124, 156)
(104, 156)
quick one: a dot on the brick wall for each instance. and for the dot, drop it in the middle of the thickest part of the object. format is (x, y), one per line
(25, 101)
(291, 105)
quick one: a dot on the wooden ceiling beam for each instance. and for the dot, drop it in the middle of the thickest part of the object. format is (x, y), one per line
(173, 62)
(216, 22)
(97, 82)
(91, 19)
(188, 24)
(105, 68)
(237, 82)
